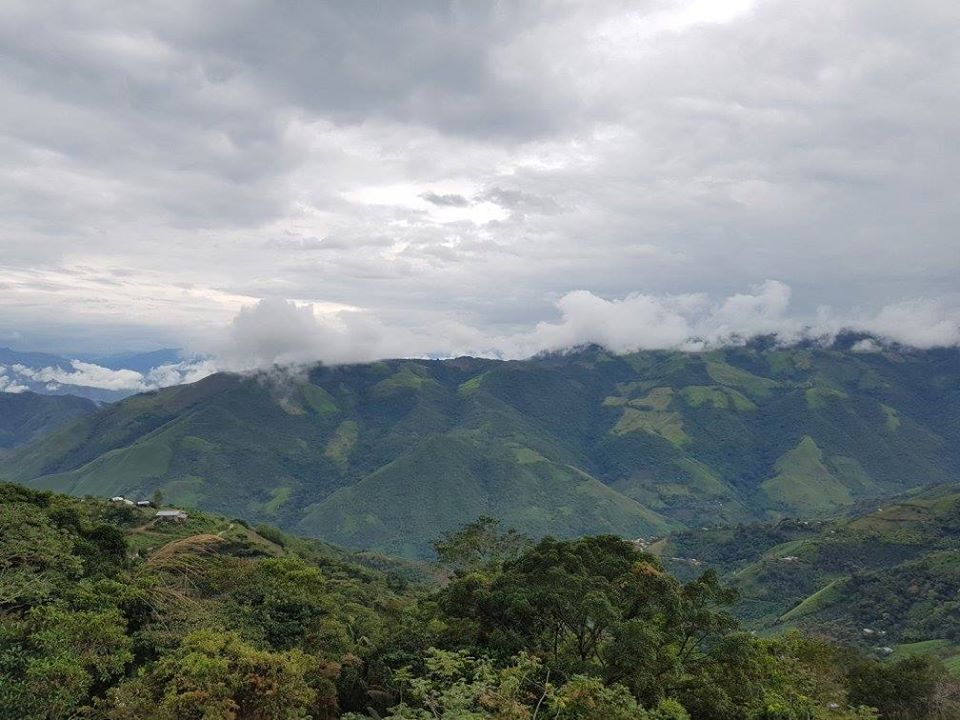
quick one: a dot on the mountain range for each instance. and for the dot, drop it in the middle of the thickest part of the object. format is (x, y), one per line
(388, 455)
(27, 416)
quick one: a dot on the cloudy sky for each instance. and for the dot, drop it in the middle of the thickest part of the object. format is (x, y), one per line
(344, 180)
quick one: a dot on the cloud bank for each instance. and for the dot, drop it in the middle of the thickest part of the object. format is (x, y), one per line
(15, 378)
(282, 332)
(278, 333)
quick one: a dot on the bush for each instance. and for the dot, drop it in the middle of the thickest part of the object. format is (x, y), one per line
(272, 534)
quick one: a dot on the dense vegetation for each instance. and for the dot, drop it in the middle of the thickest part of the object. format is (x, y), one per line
(388, 455)
(887, 576)
(107, 614)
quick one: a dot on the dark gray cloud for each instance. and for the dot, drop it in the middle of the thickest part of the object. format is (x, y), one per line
(448, 200)
(471, 165)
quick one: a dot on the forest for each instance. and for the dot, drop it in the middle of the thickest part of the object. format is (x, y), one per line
(107, 613)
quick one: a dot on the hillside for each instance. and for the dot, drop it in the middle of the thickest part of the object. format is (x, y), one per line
(27, 416)
(90, 591)
(390, 454)
(887, 576)
(108, 613)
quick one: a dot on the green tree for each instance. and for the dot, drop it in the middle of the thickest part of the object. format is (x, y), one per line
(480, 546)
(216, 676)
(454, 685)
(52, 658)
(594, 605)
(36, 556)
(286, 601)
(587, 698)
(908, 689)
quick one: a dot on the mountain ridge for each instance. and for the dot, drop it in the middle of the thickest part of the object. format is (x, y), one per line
(372, 455)
(27, 416)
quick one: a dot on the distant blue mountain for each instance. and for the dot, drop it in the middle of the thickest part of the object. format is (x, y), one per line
(141, 362)
(32, 359)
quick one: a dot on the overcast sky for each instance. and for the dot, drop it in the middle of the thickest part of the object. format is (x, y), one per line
(441, 177)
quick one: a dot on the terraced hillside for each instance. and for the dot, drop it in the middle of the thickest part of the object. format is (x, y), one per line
(388, 455)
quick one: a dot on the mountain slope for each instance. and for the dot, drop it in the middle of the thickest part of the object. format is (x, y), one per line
(27, 416)
(448, 481)
(389, 454)
(886, 576)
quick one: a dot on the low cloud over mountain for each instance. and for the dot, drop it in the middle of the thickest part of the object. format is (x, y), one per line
(279, 332)
(51, 375)
(276, 331)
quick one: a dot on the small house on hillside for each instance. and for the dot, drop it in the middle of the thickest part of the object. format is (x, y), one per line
(121, 499)
(172, 515)
(145, 503)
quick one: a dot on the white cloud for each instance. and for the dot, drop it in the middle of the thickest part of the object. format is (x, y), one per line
(187, 371)
(920, 323)
(867, 345)
(747, 315)
(91, 375)
(691, 322)
(85, 374)
(8, 384)
(275, 332)
(635, 322)
(280, 332)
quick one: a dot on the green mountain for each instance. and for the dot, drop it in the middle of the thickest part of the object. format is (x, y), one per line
(887, 576)
(388, 455)
(26, 416)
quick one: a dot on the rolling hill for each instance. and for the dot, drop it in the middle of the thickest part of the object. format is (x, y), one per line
(387, 455)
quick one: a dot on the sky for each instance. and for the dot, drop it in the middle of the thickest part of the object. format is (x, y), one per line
(339, 181)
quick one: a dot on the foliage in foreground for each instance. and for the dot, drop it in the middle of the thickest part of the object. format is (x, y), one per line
(106, 616)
